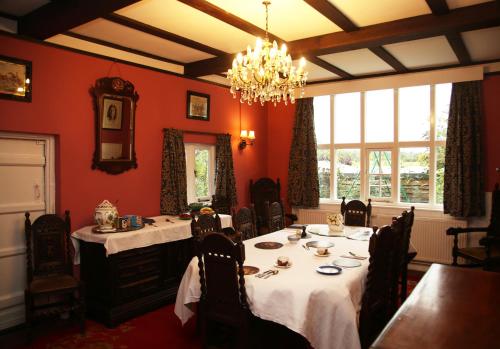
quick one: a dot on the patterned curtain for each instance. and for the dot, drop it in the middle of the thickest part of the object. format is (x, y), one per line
(225, 184)
(173, 197)
(463, 172)
(303, 183)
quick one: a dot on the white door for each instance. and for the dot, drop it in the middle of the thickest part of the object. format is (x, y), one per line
(26, 184)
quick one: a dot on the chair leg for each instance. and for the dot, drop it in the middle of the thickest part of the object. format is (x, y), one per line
(404, 283)
(29, 318)
(81, 312)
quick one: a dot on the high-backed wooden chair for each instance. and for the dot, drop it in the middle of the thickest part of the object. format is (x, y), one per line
(51, 288)
(244, 222)
(204, 224)
(379, 302)
(275, 216)
(356, 213)
(223, 296)
(262, 190)
(407, 256)
(476, 255)
(221, 204)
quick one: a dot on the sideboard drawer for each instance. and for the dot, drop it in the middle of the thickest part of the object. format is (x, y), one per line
(138, 288)
(138, 271)
(137, 254)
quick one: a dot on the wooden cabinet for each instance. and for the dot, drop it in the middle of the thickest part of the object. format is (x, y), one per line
(132, 282)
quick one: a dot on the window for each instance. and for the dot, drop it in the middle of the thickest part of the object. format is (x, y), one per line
(387, 145)
(200, 171)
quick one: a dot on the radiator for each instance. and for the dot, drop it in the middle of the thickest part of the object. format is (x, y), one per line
(428, 235)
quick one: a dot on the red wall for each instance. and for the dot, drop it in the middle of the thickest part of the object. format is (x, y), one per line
(62, 106)
(281, 120)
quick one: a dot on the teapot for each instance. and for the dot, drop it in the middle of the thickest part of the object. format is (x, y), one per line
(105, 215)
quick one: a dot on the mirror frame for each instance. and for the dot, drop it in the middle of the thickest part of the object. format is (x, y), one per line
(113, 88)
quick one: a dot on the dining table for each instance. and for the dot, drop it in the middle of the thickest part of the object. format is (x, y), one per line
(323, 308)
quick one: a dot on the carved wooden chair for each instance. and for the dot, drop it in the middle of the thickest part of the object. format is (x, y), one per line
(476, 255)
(379, 302)
(408, 254)
(221, 204)
(223, 297)
(265, 189)
(244, 222)
(356, 213)
(203, 224)
(275, 216)
(51, 288)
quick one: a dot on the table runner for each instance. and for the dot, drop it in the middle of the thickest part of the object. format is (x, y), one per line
(161, 232)
(321, 308)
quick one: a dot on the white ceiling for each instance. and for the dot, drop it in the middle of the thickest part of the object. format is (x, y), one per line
(288, 19)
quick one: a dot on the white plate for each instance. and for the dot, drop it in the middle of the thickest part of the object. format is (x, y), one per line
(328, 270)
(346, 263)
(321, 255)
(283, 266)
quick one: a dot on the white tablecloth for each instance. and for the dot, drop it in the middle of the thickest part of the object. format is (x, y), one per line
(162, 231)
(322, 308)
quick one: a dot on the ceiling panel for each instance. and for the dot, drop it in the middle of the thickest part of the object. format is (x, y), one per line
(363, 12)
(423, 53)
(216, 78)
(462, 3)
(315, 72)
(178, 18)
(114, 53)
(358, 62)
(483, 44)
(288, 19)
(124, 36)
(20, 8)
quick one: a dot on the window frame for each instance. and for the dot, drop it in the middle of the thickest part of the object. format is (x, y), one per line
(190, 149)
(394, 147)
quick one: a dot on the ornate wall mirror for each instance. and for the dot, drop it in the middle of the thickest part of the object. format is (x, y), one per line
(115, 103)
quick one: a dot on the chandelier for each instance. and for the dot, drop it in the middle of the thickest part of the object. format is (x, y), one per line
(266, 74)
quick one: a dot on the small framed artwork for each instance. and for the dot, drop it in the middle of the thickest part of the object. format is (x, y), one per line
(198, 106)
(15, 79)
(112, 113)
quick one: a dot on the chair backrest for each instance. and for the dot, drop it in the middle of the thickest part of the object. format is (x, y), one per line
(494, 228)
(221, 204)
(275, 216)
(379, 302)
(244, 222)
(223, 295)
(264, 189)
(47, 245)
(204, 224)
(356, 213)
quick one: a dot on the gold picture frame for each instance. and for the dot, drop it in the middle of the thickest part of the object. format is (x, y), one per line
(198, 106)
(15, 79)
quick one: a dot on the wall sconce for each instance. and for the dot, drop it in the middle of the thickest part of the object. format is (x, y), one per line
(246, 138)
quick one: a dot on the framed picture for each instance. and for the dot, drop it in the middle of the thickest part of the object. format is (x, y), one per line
(15, 79)
(112, 113)
(198, 106)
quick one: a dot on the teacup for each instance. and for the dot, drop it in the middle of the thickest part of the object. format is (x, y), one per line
(293, 238)
(322, 250)
(283, 261)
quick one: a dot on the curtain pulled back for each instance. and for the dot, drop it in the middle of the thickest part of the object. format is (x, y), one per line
(173, 196)
(463, 173)
(303, 183)
(225, 183)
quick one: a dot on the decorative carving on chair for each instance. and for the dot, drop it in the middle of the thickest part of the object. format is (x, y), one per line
(244, 222)
(204, 224)
(276, 220)
(356, 213)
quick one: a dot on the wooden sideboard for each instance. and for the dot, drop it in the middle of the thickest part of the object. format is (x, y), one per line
(129, 283)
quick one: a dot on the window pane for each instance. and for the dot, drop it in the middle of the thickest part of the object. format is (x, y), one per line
(347, 118)
(201, 172)
(324, 173)
(443, 95)
(414, 175)
(379, 174)
(379, 116)
(322, 119)
(347, 164)
(414, 113)
(440, 151)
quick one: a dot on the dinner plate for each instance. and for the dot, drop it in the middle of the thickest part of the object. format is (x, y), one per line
(283, 266)
(346, 263)
(361, 236)
(321, 255)
(329, 270)
(316, 244)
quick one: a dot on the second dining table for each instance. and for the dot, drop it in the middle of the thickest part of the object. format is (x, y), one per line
(322, 308)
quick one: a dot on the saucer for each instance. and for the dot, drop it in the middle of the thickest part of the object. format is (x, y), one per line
(328, 270)
(322, 255)
(346, 263)
(283, 266)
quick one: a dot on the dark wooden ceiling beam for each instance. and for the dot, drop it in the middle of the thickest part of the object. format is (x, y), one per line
(439, 8)
(163, 34)
(122, 48)
(60, 16)
(388, 58)
(462, 19)
(330, 67)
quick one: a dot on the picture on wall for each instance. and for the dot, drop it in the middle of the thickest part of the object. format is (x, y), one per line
(198, 106)
(112, 113)
(15, 79)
